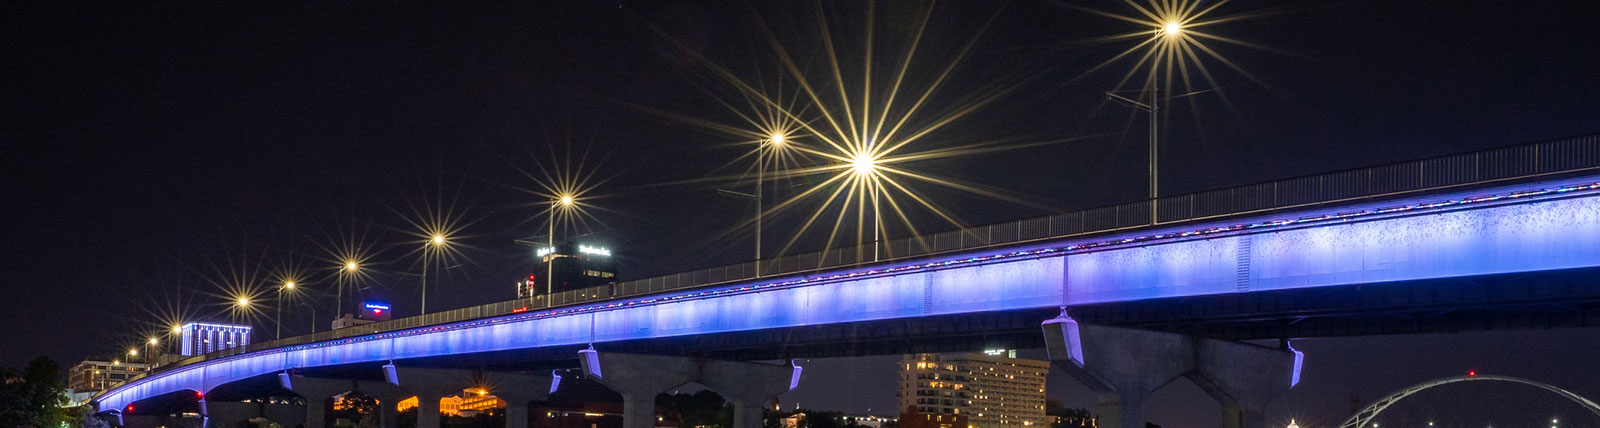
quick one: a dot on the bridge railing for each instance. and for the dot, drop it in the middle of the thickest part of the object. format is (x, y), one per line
(1527, 161)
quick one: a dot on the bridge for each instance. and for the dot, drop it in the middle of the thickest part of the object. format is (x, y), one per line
(1124, 302)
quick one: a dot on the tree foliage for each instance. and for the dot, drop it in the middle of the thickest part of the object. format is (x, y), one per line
(35, 397)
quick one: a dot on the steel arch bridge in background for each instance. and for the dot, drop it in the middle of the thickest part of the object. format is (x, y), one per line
(1366, 415)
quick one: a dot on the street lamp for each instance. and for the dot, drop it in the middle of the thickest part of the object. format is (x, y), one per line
(349, 268)
(277, 311)
(1151, 110)
(865, 168)
(562, 203)
(776, 141)
(436, 242)
(1172, 29)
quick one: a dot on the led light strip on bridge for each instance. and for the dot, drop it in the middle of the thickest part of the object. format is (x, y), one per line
(936, 265)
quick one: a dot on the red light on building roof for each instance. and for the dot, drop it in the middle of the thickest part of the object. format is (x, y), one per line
(198, 394)
(130, 407)
(1472, 372)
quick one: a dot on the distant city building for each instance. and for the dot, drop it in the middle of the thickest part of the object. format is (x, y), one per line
(868, 420)
(347, 321)
(575, 266)
(914, 418)
(97, 375)
(203, 338)
(449, 405)
(993, 389)
(372, 311)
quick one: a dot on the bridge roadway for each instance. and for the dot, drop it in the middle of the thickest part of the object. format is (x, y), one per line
(1526, 229)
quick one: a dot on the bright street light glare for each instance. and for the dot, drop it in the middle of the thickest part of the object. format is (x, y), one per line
(289, 285)
(438, 239)
(244, 301)
(177, 329)
(777, 139)
(154, 341)
(566, 200)
(350, 266)
(133, 352)
(1172, 29)
(862, 164)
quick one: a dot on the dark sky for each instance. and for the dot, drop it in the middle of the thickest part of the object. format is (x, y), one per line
(152, 153)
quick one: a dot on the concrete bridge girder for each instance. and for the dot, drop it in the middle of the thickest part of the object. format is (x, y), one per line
(1124, 366)
(638, 378)
(228, 414)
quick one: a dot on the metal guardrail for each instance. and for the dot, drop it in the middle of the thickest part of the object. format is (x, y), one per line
(1525, 161)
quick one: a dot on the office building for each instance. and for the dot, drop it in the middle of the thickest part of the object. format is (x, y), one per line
(993, 389)
(97, 375)
(372, 311)
(204, 338)
(572, 266)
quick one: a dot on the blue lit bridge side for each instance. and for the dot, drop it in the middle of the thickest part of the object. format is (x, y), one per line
(1541, 226)
(1407, 229)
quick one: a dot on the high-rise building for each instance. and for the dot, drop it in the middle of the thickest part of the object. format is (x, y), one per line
(96, 375)
(993, 389)
(572, 266)
(204, 338)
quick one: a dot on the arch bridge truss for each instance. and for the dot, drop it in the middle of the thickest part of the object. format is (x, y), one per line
(1370, 413)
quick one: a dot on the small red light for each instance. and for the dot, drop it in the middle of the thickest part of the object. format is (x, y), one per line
(198, 394)
(130, 407)
(1472, 372)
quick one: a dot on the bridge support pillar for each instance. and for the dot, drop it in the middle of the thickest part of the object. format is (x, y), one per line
(1124, 366)
(143, 421)
(228, 414)
(640, 377)
(316, 392)
(518, 390)
(1244, 378)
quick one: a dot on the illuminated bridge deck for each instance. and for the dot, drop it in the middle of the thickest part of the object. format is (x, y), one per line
(1516, 229)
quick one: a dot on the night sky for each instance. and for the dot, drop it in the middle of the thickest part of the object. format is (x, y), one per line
(153, 154)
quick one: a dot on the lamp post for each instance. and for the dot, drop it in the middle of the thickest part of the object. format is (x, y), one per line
(277, 312)
(313, 309)
(775, 142)
(348, 269)
(865, 167)
(564, 202)
(1167, 31)
(1149, 109)
(434, 243)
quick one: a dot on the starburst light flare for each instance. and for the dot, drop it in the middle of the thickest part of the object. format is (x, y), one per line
(865, 129)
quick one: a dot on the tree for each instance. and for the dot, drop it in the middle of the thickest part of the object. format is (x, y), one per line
(37, 397)
(357, 408)
(704, 408)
